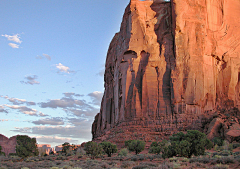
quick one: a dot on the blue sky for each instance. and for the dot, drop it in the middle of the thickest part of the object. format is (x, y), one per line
(52, 56)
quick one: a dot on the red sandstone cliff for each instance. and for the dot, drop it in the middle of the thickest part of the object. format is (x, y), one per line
(173, 66)
(8, 145)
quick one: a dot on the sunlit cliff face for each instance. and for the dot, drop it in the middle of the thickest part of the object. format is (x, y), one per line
(169, 71)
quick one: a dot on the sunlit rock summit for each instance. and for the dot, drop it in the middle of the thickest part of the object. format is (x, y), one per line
(173, 66)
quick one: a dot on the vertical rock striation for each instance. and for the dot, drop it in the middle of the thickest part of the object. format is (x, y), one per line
(173, 66)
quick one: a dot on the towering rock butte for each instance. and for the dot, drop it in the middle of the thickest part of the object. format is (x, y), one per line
(173, 66)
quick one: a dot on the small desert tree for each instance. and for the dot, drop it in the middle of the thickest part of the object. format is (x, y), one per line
(65, 147)
(92, 148)
(136, 146)
(109, 148)
(192, 143)
(26, 146)
(158, 147)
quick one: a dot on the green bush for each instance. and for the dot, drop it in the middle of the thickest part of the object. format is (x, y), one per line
(65, 147)
(109, 148)
(217, 141)
(185, 145)
(93, 149)
(26, 146)
(159, 147)
(136, 146)
(123, 152)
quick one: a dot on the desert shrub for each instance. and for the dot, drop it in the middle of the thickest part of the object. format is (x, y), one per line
(154, 156)
(220, 166)
(225, 145)
(80, 152)
(109, 148)
(138, 157)
(127, 164)
(158, 147)
(185, 145)
(217, 141)
(2, 167)
(123, 152)
(203, 160)
(93, 149)
(136, 146)
(223, 160)
(65, 147)
(236, 145)
(145, 165)
(26, 146)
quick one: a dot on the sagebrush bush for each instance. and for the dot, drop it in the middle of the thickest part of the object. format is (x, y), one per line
(136, 146)
(123, 152)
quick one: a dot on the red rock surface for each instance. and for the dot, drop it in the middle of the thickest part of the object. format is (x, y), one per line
(45, 147)
(171, 67)
(8, 145)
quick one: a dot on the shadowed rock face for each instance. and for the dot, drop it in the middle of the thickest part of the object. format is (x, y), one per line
(172, 67)
(8, 145)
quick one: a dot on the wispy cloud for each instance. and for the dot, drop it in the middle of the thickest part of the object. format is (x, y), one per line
(4, 120)
(63, 69)
(54, 139)
(14, 38)
(44, 56)
(47, 56)
(74, 106)
(17, 101)
(2, 109)
(25, 110)
(31, 80)
(83, 131)
(101, 72)
(96, 97)
(49, 121)
(13, 45)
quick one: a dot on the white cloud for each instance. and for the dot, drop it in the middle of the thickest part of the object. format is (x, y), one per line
(54, 139)
(42, 114)
(70, 94)
(63, 68)
(13, 45)
(50, 121)
(83, 131)
(24, 110)
(76, 107)
(14, 38)
(96, 97)
(17, 101)
(31, 80)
